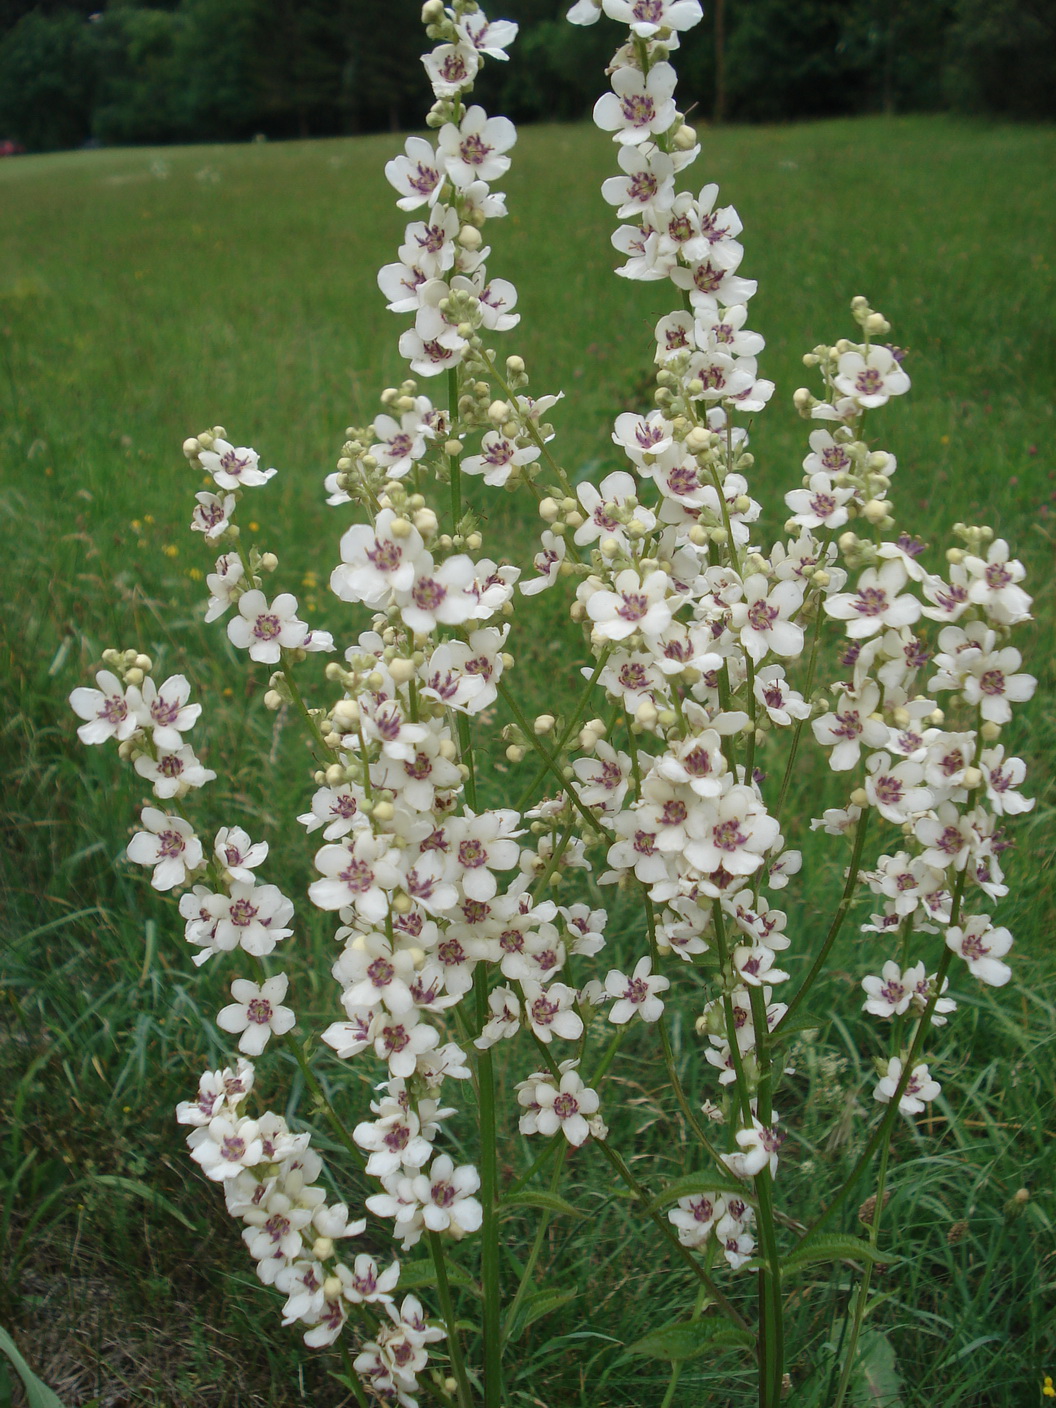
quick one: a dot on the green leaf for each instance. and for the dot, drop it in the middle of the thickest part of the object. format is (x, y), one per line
(693, 1183)
(801, 1022)
(875, 1380)
(414, 1274)
(142, 1190)
(548, 1202)
(687, 1339)
(535, 1306)
(38, 1395)
(834, 1247)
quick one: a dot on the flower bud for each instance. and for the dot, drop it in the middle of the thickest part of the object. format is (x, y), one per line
(646, 714)
(875, 510)
(400, 528)
(515, 365)
(273, 700)
(990, 731)
(549, 510)
(515, 753)
(684, 139)
(401, 669)
(268, 562)
(332, 1287)
(335, 775)
(469, 237)
(498, 411)
(859, 797)
(323, 1248)
(453, 448)
(191, 447)
(426, 522)
(543, 724)
(698, 440)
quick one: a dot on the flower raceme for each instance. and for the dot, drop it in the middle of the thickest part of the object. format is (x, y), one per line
(705, 643)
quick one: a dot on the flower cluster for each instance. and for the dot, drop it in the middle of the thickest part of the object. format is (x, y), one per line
(709, 649)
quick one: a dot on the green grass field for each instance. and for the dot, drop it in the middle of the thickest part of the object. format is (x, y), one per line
(147, 294)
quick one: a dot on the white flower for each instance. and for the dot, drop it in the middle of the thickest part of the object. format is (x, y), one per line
(489, 37)
(165, 711)
(265, 631)
(359, 873)
(213, 514)
(549, 1011)
(647, 17)
(982, 948)
(228, 1146)
(638, 109)
(920, 1088)
(762, 618)
(636, 995)
(443, 594)
(336, 808)
(890, 994)
(992, 684)
(473, 151)
(106, 709)
(234, 469)
(172, 773)
(875, 603)
(498, 458)
(256, 1014)
(649, 182)
(451, 67)
(252, 917)
(225, 585)
(445, 1197)
(565, 1106)
(759, 1148)
(238, 853)
(871, 379)
(993, 585)
(169, 845)
(417, 175)
(637, 604)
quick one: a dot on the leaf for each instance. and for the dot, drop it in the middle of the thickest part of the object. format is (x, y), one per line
(693, 1183)
(687, 1339)
(142, 1190)
(834, 1247)
(548, 1202)
(875, 1380)
(414, 1274)
(38, 1395)
(535, 1306)
(801, 1022)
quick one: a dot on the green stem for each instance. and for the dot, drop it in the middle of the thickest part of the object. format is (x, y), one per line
(353, 1377)
(837, 920)
(551, 763)
(883, 1129)
(863, 1289)
(490, 1267)
(311, 1080)
(770, 1305)
(533, 1255)
(447, 1312)
(725, 1305)
(302, 708)
(454, 461)
(570, 728)
(530, 427)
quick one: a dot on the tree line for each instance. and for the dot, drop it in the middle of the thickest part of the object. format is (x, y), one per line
(226, 70)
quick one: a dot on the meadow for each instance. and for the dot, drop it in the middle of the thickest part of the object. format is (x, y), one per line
(146, 294)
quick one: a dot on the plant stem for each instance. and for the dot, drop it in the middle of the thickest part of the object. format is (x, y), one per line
(353, 1377)
(725, 1305)
(490, 1267)
(863, 1288)
(772, 1333)
(837, 921)
(447, 1311)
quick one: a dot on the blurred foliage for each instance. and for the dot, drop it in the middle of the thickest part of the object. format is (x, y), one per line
(225, 70)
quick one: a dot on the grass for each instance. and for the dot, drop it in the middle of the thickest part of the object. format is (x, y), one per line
(144, 295)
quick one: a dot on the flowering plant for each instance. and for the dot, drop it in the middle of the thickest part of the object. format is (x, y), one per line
(471, 934)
